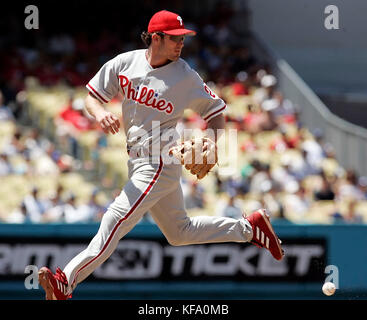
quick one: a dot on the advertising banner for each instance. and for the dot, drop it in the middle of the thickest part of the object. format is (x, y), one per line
(155, 259)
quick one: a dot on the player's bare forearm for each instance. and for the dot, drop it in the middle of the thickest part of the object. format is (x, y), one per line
(216, 124)
(107, 120)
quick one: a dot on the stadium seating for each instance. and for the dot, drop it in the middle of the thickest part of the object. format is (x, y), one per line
(111, 159)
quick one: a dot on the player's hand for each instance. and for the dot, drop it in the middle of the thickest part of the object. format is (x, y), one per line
(108, 122)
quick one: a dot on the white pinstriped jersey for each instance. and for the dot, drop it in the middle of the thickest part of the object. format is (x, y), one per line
(153, 94)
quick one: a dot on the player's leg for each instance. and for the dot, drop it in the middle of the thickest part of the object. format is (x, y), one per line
(179, 229)
(136, 198)
(122, 215)
(149, 182)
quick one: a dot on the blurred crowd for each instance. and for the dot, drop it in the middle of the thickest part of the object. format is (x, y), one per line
(225, 61)
(304, 156)
(27, 153)
(36, 209)
(72, 53)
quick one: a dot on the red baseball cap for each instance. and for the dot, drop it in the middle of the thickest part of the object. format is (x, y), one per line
(169, 23)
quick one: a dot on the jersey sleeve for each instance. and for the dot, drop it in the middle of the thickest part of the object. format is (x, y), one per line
(105, 84)
(204, 101)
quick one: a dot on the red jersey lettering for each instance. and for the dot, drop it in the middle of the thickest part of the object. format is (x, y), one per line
(146, 96)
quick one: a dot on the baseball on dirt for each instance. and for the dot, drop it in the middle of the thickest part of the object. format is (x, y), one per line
(328, 288)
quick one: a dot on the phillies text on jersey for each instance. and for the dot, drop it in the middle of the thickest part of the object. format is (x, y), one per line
(153, 94)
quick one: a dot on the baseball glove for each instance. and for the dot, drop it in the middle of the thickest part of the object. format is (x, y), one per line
(198, 155)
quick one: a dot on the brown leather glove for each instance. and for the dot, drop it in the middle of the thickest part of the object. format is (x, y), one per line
(198, 155)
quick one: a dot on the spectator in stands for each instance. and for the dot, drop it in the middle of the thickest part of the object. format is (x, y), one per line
(282, 142)
(73, 114)
(65, 163)
(250, 144)
(231, 208)
(5, 112)
(36, 154)
(270, 199)
(362, 185)
(55, 211)
(19, 215)
(74, 213)
(5, 166)
(329, 164)
(268, 123)
(35, 206)
(312, 145)
(302, 168)
(240, 86)
(246, 172)
(282, 109)
(19, 106)
(267, 87)
(350, 216)
(231, 184)
(261, 176)
(15, 144)
(219, 183)
(70, 122)
(96, 209)
(347, 187)
(255, 120)
(284, 177)
(46, 164)
(35, 143)
(194, 195)
(297, 202)
(26, 166)
(325, 192)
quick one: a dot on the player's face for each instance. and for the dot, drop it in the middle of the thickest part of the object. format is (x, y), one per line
(172, 46)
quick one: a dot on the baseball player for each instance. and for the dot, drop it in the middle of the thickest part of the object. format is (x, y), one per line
(157, 86)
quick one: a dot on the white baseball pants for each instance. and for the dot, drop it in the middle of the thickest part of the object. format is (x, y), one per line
(156, 188)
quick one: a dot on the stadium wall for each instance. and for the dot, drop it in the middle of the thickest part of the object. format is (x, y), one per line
(329, 60)
(145, 266)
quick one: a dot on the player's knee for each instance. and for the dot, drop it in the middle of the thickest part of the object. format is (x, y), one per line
(180, 236)
(174, 241)
(179, 239)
